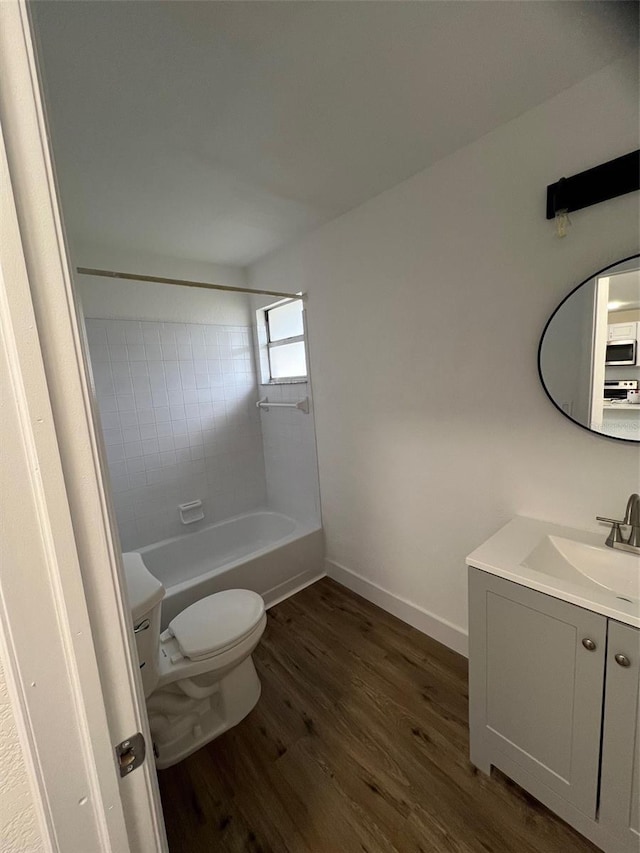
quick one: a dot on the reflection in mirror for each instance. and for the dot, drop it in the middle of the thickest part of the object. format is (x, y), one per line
(589, 356)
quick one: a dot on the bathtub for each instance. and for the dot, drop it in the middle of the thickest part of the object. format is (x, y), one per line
(263, 551)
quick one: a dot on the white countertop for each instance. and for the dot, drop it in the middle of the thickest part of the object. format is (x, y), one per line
(505, 552)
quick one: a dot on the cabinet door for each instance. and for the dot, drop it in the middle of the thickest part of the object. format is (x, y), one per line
(622, 331)
(535, 689)
(620, 783)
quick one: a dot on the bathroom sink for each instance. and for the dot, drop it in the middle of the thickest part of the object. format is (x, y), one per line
(567, 563)
(576, 561)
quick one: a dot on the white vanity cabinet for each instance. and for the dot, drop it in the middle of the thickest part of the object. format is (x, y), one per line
(553, 708)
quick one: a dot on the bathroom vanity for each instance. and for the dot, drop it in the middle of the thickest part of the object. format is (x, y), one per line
(554, 664)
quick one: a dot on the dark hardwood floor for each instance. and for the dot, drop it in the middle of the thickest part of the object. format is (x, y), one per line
(359, 743)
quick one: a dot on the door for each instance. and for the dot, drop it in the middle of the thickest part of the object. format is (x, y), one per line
(620, 784)
(64, 614)
(536, 672)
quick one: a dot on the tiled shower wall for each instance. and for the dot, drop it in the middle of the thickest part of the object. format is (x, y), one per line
(290, 454)
(177, 405)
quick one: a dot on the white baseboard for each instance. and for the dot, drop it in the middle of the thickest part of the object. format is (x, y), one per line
(444, 632)
(290, 587)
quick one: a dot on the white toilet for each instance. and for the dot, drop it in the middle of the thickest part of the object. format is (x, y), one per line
(198, 676)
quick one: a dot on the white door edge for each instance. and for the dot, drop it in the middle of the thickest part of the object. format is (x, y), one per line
(599, 353)
(67, 628)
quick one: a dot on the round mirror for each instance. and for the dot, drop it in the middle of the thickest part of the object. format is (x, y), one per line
(589, 354)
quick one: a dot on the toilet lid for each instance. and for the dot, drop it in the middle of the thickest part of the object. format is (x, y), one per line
(217, 622)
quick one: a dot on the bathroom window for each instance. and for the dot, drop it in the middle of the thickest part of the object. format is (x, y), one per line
(285, 341)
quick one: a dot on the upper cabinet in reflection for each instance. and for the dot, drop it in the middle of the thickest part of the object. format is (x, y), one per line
(589, 355)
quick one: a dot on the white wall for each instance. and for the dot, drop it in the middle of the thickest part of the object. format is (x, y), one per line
(433, 431)
(19, 829)
(116, 298)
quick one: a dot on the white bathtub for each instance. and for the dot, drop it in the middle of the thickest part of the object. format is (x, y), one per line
(264, 551)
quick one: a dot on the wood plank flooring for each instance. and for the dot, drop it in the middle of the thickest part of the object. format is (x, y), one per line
(359, 743)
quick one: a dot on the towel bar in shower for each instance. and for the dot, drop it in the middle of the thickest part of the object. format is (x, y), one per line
(303, 405)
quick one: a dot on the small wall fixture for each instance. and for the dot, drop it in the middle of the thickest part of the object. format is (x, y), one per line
(303, 405)
(191, 511)
(608, 180)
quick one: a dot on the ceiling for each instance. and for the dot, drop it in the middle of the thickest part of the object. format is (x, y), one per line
(218, 131)
(624, 289)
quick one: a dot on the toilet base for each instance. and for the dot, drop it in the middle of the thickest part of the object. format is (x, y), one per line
(180, 726)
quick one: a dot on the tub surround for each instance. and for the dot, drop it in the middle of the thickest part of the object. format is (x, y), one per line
(288, 435)
(177, 403)
(290, 461)
(177, 407)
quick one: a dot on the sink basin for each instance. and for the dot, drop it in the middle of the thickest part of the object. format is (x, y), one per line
(569, 564)
(568, 559)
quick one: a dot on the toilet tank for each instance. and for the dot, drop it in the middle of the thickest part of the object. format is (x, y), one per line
(145, 600)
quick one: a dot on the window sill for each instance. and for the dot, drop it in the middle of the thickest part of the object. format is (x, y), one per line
(285, 382)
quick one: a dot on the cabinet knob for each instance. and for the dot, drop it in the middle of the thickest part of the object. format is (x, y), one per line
(622, 660)
(589, 645)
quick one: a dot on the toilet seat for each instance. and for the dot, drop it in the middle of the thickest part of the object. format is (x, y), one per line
(216, 623)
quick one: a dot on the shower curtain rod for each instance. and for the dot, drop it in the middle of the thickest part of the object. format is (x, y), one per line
(155, 279)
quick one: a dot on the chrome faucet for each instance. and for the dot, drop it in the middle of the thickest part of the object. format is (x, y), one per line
(631, 519)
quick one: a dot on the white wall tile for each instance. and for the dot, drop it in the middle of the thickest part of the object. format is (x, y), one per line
(135, 465)
(153, 351)
(115, 453)
(112, 436)
(137, 480)
(133, 448)
(155, 384)
(162, 414)
(126, 403)
(128, 419)
(150, 332)
(144, 400)
(129, 434)
(289, 455)
(136, 352)
(145, 416)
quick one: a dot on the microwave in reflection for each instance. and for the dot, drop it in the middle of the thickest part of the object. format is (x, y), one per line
(621, 353)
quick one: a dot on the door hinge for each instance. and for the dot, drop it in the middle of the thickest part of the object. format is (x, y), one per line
(131, 753)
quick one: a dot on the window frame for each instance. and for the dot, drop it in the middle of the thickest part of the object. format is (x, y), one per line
(283, 341)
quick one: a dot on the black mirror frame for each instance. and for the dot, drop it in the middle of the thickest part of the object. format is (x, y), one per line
(544, 332)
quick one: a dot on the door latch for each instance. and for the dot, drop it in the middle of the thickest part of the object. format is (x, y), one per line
(131, 753)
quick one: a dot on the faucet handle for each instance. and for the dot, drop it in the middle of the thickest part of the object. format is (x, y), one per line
(615, 534)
